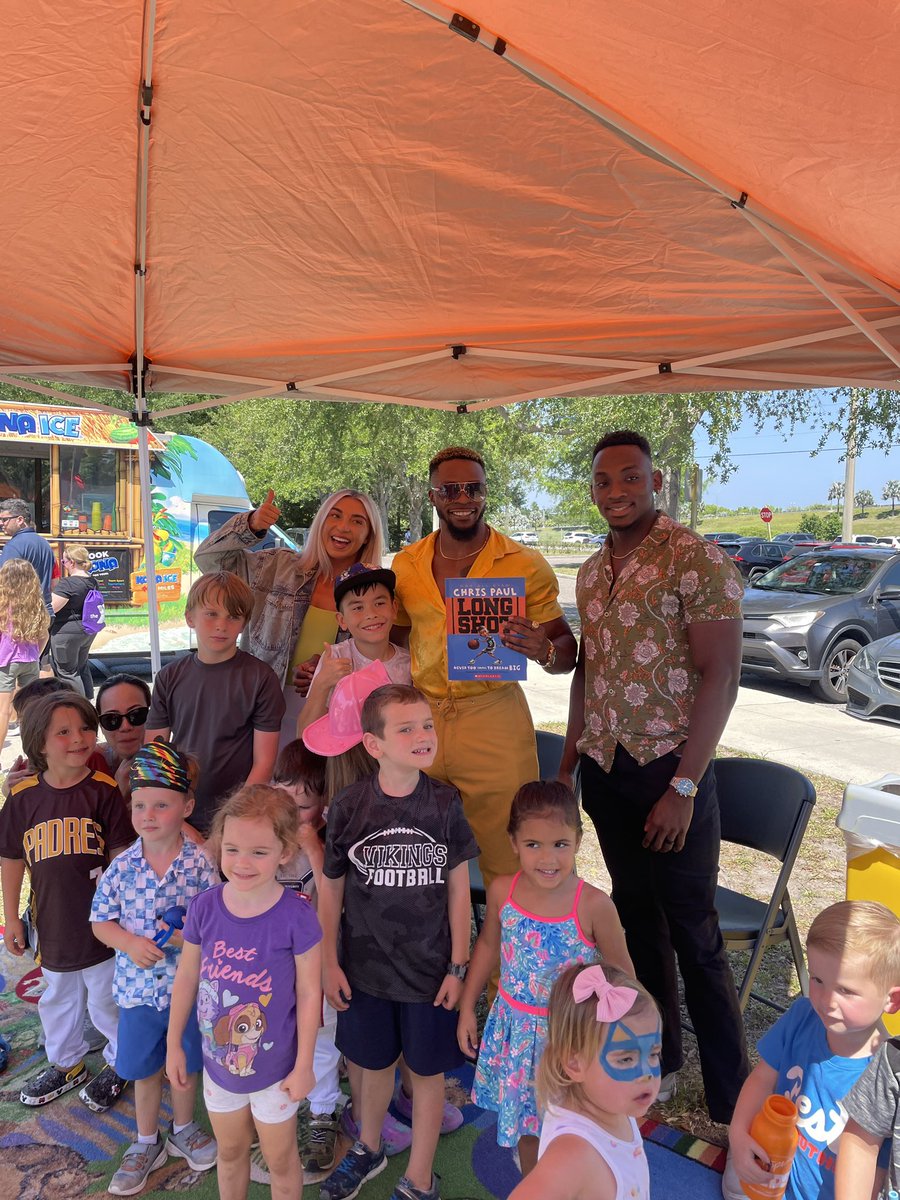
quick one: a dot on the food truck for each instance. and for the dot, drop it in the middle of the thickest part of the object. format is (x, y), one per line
(78, 470)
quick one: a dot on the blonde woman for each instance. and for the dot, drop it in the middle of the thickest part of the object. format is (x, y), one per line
(24, 623)
(293, 594)
(69, 644)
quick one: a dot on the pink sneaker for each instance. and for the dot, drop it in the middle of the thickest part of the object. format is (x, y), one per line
(450, 1122)
(396, 1136)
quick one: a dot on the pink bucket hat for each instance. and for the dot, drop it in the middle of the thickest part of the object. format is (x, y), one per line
(341, 729)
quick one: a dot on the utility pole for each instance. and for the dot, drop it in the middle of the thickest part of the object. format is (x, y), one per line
(850, 473)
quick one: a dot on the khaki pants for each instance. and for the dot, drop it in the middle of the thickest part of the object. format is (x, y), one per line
(486, 749)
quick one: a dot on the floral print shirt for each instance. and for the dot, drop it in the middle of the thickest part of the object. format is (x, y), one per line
(640, 682)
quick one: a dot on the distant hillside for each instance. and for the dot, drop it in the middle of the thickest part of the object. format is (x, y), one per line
(877, 521)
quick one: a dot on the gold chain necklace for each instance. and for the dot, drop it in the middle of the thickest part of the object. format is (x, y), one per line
(628, 555)
(462, 557)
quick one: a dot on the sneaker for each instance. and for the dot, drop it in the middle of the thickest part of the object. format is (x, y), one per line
(103, 1090)
(92, 1035)
(259, 1172)
(405, 1190)
(667, 1088)
(358, 1165)
(450, 1122)
(140, 1159)
(395, 1136)
(318, 1150)
(52, 1082)
(194, 1144)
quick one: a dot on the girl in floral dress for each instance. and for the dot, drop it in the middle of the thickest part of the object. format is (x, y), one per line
(538, 921)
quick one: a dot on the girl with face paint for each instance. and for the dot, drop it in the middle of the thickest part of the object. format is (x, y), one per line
(538, 921)
(599, 1073)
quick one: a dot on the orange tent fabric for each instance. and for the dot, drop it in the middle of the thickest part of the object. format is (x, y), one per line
(357, 202)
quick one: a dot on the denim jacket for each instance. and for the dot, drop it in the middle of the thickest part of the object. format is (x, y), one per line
(281, 591)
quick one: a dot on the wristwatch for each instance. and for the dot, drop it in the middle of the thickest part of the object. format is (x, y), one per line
(458, 970)
(684, 787)
(550, 659)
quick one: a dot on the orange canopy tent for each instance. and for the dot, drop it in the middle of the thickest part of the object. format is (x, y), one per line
(388, 200)
(382, 200)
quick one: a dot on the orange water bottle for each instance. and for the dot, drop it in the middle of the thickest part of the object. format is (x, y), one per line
(775, 1129)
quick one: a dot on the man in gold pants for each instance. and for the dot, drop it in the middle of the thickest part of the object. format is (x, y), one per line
(486, 745)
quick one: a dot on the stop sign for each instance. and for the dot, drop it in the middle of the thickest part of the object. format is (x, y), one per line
(765, 514)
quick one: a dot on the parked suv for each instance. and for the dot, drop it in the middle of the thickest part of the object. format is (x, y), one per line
(807, 619)
(754, 556)
(793, 537)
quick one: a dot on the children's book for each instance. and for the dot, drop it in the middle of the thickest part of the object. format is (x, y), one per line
(477, 609)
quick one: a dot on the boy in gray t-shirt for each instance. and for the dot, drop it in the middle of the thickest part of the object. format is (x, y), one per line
(220, 705)
(873, 1105)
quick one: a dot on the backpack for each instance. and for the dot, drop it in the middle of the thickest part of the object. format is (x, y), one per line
(93, 612)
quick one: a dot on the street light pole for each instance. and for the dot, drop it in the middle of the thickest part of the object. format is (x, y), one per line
(850, 473)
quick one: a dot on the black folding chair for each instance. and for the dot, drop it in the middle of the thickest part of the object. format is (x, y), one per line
(764, 806)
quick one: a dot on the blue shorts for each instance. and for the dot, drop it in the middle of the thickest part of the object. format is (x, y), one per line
(141, 1049)
(373, 1033)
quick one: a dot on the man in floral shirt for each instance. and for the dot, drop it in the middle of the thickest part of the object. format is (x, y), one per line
(656, 678)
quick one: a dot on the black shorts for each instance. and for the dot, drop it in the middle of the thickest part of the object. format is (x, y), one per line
(373, 1033)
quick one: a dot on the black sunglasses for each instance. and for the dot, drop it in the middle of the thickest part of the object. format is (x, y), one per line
(112, 720)
(449, 491)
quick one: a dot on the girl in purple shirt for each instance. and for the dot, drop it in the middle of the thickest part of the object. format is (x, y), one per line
(251, 952)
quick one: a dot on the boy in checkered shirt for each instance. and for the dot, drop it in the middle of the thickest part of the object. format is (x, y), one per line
(163, 870)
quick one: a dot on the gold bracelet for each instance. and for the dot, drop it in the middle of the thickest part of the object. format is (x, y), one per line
(548, 662)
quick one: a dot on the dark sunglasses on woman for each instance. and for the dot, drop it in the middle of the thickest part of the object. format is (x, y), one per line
(111, 721)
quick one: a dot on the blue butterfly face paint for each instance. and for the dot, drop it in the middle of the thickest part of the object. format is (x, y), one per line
(626, 1056)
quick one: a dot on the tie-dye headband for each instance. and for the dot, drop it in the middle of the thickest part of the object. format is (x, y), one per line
(159, 764)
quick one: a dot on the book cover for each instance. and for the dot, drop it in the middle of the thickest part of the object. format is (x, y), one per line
(477, 609)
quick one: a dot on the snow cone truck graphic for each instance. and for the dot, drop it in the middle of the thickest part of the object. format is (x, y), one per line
(78, 471)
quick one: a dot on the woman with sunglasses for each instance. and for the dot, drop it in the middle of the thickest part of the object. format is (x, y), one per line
(293, 611)
(123, 702)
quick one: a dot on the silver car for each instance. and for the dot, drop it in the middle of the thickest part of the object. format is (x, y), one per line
(873, 682)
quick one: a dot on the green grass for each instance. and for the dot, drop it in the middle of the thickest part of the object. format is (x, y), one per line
(877, 521)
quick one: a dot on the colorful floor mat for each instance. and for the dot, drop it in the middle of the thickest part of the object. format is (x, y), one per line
(63, 1151)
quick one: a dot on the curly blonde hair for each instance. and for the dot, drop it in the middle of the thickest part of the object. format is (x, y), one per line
(23, 614)
(256, 802)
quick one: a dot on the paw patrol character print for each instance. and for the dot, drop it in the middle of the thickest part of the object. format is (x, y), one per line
(240, 1032)
(207, 1008)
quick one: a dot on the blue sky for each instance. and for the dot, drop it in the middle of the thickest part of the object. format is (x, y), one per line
(771, 470)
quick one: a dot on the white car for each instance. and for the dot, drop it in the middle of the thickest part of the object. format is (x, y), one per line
(578, 537)
(526, 537)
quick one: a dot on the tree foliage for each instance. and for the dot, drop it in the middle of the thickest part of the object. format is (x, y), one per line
(824, 527)
(864, 499)
(305, 449)
(891, 491)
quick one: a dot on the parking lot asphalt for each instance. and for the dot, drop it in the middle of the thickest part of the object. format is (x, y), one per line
(778, 721)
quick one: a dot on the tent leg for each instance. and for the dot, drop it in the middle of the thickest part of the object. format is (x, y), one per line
(149, 552)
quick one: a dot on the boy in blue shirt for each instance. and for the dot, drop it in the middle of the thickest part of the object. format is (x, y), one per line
(818, 1049)
(164, 869)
